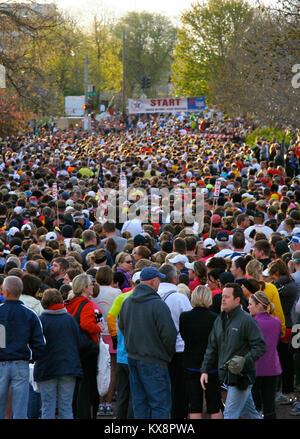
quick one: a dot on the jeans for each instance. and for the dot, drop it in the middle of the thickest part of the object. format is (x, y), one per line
(16, 375)
(150, 389)
(240, 403)
(58, 389)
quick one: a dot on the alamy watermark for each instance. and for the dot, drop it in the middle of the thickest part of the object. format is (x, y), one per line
(154, 205)
(296, 78)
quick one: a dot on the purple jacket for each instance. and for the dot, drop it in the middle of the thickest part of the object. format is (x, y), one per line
(269, 364)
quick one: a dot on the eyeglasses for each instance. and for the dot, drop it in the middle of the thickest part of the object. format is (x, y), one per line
(129, 262)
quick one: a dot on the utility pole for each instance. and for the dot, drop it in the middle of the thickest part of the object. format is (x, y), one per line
(123, 81)
(86, 81)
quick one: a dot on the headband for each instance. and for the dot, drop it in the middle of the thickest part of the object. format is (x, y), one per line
(249, 286)
(262, 303)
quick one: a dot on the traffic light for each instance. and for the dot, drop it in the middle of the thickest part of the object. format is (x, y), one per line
(145, 82)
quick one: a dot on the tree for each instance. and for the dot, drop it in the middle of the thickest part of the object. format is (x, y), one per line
(206, 32)
(149, 43)
(13, 117)
(256, 76)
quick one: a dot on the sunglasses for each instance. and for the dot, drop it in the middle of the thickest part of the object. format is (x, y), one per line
(129, 262)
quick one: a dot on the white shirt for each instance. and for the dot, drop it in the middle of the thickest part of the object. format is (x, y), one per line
(133, 226)
(177, 303)
(261, 228)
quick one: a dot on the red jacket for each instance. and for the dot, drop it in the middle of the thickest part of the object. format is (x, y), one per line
(87, 316)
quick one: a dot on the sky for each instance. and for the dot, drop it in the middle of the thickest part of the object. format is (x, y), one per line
(86, 8)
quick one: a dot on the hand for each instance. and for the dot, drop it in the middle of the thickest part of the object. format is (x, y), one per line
(204, 380)
(101, 325)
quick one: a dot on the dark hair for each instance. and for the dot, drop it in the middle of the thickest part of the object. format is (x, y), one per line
(217, 262)
(237, 290)
(51, 296)
(31, 284)
(263, 245)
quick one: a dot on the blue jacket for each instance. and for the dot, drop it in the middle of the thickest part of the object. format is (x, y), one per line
(21, 336)
(61, 355)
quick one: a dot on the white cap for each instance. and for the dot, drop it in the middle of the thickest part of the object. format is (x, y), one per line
(26, 227)
(136, 277)
(179, 258)
(51, 235)
(208, 243)
(265, 273)
(18, 209)
(13, 231)
(189, 265)
(91, 194)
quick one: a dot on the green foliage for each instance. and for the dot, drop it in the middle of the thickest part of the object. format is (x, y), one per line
(207, 29)
(269, 133)
(149, 42)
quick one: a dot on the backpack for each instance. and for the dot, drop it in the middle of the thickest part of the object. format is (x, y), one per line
(87, 347)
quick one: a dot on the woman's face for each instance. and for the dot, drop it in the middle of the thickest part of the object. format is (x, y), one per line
(191, 274)
(254, 308)
(127, 264)
(235, 270)
(212, 283)
(246, 292)
(67, 280)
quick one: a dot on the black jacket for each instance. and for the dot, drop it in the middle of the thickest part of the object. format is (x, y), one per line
(195, 327)
(234, 333)
(288, 292)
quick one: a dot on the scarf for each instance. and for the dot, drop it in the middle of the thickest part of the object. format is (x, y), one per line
(56, 306)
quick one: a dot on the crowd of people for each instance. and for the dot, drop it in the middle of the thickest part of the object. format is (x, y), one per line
(198, 314)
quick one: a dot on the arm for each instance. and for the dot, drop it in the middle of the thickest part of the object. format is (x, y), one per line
(37, 341)
(88, 320)
(256, 343)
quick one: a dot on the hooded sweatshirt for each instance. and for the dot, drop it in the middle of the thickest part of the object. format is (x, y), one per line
(147, 325)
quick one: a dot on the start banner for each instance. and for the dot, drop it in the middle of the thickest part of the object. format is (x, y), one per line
(165, 105)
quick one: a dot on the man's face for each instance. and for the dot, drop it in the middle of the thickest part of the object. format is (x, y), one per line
(228, 301)
(55, 269)
(246, 223)
(257, 253)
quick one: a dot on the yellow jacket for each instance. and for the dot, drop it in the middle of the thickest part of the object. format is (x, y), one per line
(273, 295)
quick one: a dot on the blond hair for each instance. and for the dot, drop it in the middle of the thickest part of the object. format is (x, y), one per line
(254, 268)
(261, 298)
(201, 296)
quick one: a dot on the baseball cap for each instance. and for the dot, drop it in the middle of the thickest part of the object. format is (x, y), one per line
(222, 236)
(179, 258)
(208, 243)
(136, 276)
(215, 219)
(13, 231)
(189, 265)
(139, 240)
(18, 210)
(149, 273)
(26, 227)
(51, 235)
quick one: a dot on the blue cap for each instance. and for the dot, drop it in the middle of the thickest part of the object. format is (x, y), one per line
(222, 236)
(149, 273)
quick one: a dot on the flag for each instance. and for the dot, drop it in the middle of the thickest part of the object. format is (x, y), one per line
(100, 176)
